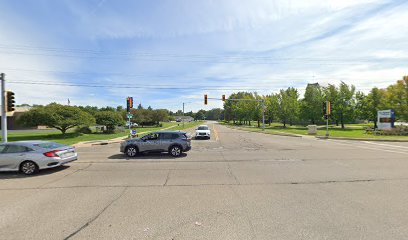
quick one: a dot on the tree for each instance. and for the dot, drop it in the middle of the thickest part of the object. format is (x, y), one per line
(397, 98)
(331, 94)
(200, 115)
(214, 114)
(368, 106)
(272, 107)
(345, 103)
(109, 119)
(311, 105)
(57, 116)
(160, 115)
(288, 105)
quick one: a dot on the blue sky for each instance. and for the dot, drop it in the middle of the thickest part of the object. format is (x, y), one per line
(175, 51)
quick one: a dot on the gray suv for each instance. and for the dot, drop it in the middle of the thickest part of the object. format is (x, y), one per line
(173, 142)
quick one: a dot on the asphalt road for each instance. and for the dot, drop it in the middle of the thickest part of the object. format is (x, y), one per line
(238, 185)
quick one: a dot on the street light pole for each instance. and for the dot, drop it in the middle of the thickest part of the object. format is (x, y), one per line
(3, 108)
(183, 116)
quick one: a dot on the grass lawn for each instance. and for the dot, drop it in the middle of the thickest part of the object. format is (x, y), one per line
(351, 131)
(72, 137)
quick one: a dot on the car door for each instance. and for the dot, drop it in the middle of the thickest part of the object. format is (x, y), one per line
(151, 142)
(165, 141)
(4, 162)
(11, 156)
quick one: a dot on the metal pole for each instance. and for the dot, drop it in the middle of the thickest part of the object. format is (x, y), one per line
(327, 119)
(183, 115)
(3, 109)
(130, 133)
(327, 127)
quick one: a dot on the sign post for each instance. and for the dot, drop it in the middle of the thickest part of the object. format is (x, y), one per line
(327, 115)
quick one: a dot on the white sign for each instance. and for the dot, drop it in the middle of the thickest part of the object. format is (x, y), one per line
(385, 119)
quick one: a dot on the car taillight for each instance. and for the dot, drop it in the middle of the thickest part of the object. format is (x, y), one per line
(51, 153)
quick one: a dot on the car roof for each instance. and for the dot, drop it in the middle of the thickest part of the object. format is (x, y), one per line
(203, 126)
(178, 132)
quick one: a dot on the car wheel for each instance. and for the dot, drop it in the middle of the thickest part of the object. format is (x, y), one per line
(131, 151)
(28, 167)
(175, 151)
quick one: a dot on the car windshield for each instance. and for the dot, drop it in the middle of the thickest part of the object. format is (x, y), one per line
(203, 128)
(49, 145)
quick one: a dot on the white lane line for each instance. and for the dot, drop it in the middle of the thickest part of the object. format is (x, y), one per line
(215, 132)
(364, 147)
(387, 145)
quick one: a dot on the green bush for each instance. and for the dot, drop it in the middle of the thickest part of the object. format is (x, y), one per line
(85, 130)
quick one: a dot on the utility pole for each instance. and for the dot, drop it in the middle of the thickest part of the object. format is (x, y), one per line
(183, 116)
(3, 108)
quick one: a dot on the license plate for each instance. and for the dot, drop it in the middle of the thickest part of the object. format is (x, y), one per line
(68, 154)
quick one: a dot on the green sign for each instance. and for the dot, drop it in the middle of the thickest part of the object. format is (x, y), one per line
(130, 116)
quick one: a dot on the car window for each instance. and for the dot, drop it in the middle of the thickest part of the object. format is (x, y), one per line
(153, 136)
(203, 128)
(166, 136)
(174, 136)
(16, 149)
(49, 145)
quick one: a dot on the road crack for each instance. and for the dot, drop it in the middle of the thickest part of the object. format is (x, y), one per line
(96, 216)
(167, 178)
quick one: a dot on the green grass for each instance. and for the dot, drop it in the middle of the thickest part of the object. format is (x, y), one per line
(73, 137)
(350, 131)
(56, 136)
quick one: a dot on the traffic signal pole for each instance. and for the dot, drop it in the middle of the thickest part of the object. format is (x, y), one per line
(3, 108)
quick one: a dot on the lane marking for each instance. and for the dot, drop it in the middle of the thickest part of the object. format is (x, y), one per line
(387, 145)
(215, 132)
(364, 147)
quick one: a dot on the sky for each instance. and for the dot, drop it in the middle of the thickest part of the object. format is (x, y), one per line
(166, 52)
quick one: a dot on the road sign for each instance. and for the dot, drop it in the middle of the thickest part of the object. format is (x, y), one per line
(133, 132)
(129, 115)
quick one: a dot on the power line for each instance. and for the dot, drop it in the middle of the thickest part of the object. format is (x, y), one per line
(158, 87)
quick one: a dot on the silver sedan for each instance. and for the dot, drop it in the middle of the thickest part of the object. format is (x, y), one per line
(31, 156)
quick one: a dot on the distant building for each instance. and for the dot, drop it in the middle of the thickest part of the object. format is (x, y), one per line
(12, 118)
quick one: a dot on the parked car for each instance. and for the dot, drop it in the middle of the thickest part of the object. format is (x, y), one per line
(203, 131)
(173, 142)
(31, 156)
(131, 124)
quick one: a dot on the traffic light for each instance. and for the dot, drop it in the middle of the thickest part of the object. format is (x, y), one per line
(205, 99)
(223, 98)
(328, 108)
(130, 102)
(10, 103)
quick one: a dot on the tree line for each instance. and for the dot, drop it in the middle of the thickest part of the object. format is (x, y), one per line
(347, 104)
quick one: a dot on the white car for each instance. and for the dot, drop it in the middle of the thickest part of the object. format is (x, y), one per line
(203, 131)
(31, 156)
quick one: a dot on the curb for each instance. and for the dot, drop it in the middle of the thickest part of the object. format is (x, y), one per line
(363, 139)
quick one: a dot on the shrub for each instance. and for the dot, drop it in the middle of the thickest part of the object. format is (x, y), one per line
(85, 130)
